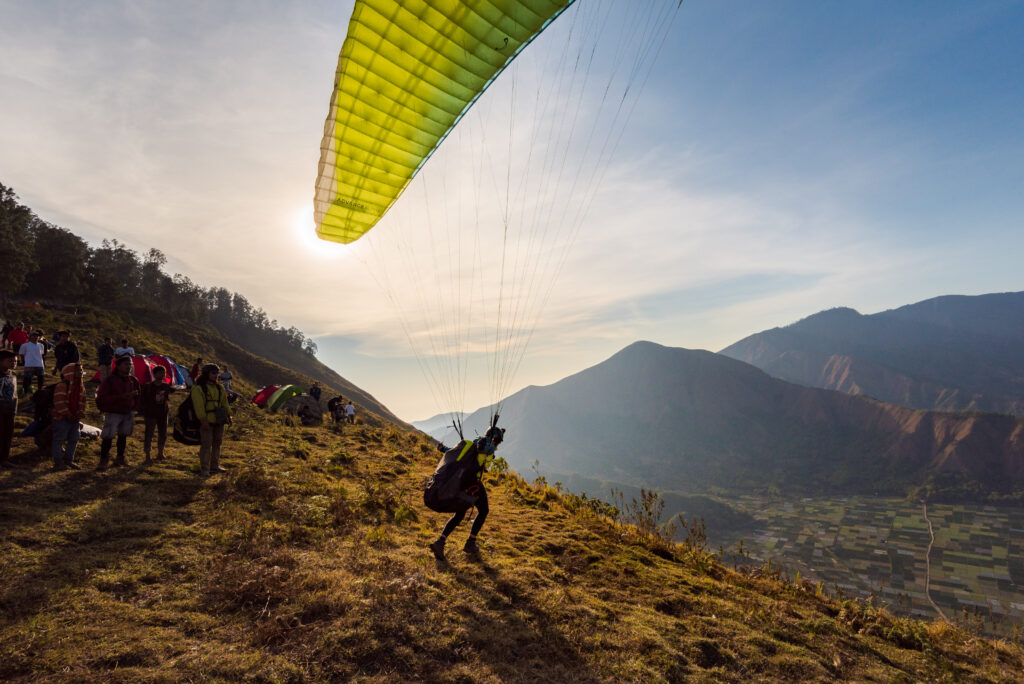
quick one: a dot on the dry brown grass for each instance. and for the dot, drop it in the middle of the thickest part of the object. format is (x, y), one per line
(307, 561)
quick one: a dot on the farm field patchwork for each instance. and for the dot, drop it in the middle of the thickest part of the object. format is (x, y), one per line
(866, 546)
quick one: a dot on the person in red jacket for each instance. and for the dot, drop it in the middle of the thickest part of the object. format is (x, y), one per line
(118, 397)
(68, 410)
(18, 336)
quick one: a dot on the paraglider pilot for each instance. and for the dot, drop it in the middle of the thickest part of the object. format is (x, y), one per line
(480, 450)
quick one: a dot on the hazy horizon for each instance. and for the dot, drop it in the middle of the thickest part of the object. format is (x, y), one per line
(783, 159)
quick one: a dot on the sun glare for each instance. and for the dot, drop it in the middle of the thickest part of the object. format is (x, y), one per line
(305, 234)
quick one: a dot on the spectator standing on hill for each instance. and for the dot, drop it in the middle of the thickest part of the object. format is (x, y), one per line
(65, 352)
(4, 332)
(31, 354)
(118, 398)
(210, 402)
(350, 412)
(315, 391)
(225, 379)
(8, 404)
(124, 350)
(105, 356)
(336, 407)
(18, 336)
(153, 405)
(197, 368)
(47, 345)
(68, 410)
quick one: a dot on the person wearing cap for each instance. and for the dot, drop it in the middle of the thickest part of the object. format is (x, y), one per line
(67, 412)
(65, 352)
(117, 397)
(210, 401)
(482, 451)
(32, 353)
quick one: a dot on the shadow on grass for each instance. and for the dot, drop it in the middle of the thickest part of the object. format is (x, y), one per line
(123, 524)
(25, 504)
(522, 640)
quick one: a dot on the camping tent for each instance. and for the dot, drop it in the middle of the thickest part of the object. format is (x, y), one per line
(186, 376)
(264, 394)
(304, 406)
(173, 376)
(142, 367)
(282, 395)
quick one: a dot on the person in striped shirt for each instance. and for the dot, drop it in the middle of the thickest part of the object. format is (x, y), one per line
(68, 410)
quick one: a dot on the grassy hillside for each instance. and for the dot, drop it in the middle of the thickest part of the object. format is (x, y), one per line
(307, 561)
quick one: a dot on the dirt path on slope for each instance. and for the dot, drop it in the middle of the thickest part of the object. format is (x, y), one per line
(928, 565)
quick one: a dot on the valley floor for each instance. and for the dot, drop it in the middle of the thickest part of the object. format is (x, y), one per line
(877, 546)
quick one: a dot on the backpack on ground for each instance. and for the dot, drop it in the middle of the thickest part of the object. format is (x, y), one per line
(42, 404)
(446, 491)
(186, 424)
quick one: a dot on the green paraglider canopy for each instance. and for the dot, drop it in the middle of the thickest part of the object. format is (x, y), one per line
(282, 395)
(407, 73)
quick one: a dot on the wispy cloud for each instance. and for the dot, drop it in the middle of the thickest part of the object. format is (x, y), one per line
(779, 163)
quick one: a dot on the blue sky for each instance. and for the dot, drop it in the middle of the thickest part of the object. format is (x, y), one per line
(784, 158)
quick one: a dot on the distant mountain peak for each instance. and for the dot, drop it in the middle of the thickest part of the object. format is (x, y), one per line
(954, 352)
(830, 316)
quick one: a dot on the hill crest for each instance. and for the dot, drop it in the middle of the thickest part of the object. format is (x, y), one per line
(689, 419)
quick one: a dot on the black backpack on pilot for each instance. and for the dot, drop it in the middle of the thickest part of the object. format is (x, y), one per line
(446, 490)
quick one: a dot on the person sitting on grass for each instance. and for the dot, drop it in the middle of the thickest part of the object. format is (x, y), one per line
(118, 397)
(210, 402)
(68, 411)
(8, 404)
(153, 406)
(481, 451)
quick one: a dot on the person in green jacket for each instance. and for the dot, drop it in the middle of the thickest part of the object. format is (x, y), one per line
(210, 401)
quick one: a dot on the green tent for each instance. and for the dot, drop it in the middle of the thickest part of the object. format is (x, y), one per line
(282, 395)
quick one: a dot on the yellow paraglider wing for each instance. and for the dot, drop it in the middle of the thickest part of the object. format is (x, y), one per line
(408, 71)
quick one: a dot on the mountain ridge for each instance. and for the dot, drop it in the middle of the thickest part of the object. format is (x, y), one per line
(950, 353)
(688, 419)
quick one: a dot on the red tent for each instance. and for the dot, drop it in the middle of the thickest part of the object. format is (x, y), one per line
(143, 368)
(264, 395)
(171, 371)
